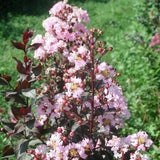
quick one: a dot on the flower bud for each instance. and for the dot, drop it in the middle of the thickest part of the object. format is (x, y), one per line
(110, 48)
(99, 49)
(64, 87)
(71, 115)
(79, 122)
(72, 133)
(32, 151)
(59, 130)
(43, 156)
(65, 139)
(96, 70)
(92, 47)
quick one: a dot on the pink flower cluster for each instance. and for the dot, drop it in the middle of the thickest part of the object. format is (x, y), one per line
(82, 102)
(132, 145)
(59, 151)
(64, 25)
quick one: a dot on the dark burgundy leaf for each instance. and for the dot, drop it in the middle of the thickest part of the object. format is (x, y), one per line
(25, 110)
(27, 35)
(20, 67)
(7, 151)
(18, 45)
(7, 78)
(13, 97)
(22, 85)
(26, 59)
(3, 81)
(29, 66)
(37, 70)
(9, 134)
(16, 112)
(34, 46)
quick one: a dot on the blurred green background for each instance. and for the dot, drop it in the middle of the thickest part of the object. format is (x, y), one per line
(127, 27)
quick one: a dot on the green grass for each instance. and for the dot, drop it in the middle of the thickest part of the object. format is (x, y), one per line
(139, 79)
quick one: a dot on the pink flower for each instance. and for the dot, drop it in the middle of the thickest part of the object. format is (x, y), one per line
(115, 144)
(87, 144)
(80, 57)
(80, 29)
(105, 71)
(62, 31)
(114, 95)
(140, 156)
(45, 107)
(55, 140)
(40, 149)
(80, 14)
(60, 105)
(50, 43)
(38, 39)
(39, 53)
(40, 120)
(74, 88)
(155, 40)
(57, 8)
(49, 23)
(140, 140)
(106, 121)
(75, 151)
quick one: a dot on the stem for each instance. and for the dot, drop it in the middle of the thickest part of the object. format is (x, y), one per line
(24, 120)
(92, 97)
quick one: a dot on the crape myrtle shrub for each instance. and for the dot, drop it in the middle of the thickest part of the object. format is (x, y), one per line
(67, 104)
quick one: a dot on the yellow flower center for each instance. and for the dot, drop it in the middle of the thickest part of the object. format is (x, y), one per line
(138, 157)
(141, 140)
(74, 86)
(78, 57)
(105, 73)
(87, 148)
(53, 144)
(60, 155)
(73, 152)
(106, 122)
